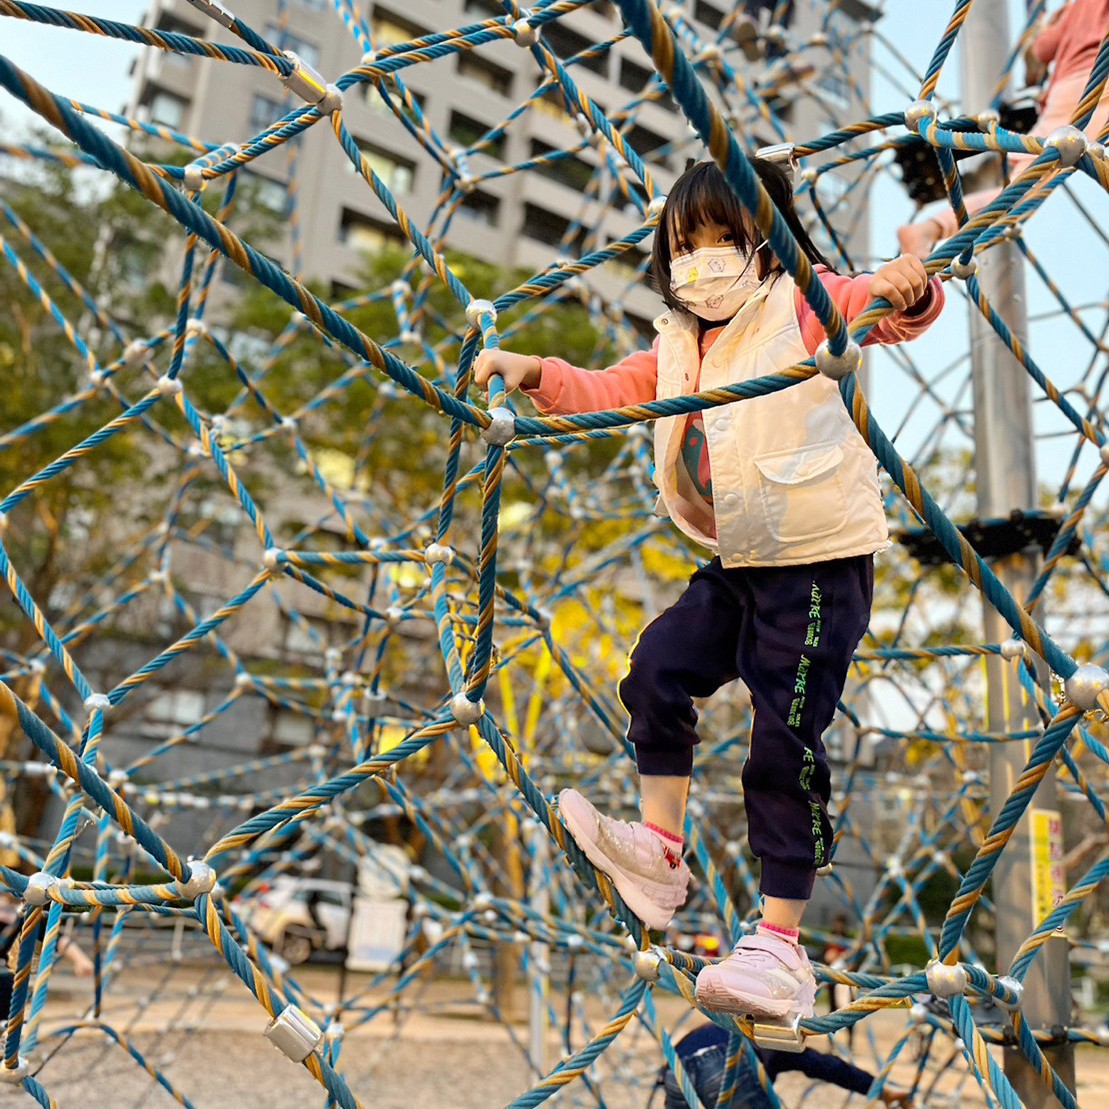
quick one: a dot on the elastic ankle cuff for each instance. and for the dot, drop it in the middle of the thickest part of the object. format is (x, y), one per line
(673, 762)
(786, 880)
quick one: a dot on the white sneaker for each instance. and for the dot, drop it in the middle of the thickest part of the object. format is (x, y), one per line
(651, 880)
(764, 976)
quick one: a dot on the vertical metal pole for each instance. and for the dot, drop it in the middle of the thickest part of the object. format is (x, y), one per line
(1006, 481)
(538, 953)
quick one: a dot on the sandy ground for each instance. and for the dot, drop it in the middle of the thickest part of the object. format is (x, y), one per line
(202, 1029)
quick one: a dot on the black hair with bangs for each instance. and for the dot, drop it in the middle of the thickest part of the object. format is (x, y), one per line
(702, 195)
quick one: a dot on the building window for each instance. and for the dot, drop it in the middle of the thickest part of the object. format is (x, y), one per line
(493, 77)
(265, 111)
(479, 207)
(644, 142)
(485, 9)
(568, 170)
(566, 43)
(467, 132)
(396, 173)
(376, 102)
(637, 78)
(836, 88)
(552, 105)
(634, 77)
(543, 226)
(174, 26)
(270, 194)
(308, 52)
(290, 729)
(391, 30)
(362, 233)
(708, 14)
(631, 265)
(168, 110)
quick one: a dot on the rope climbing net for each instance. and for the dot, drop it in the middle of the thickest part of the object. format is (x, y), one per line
(459, 577)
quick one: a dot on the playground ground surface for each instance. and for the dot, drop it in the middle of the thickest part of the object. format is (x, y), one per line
(205, 1033)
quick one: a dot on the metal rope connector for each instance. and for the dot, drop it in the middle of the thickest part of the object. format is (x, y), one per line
(295, 1033)
(309, 85)
(214, 11)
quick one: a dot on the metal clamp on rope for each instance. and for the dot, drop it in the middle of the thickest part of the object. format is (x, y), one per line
(780, 1037)
(309, 85)
(216, 11)
(295, 1033)
(781, 154)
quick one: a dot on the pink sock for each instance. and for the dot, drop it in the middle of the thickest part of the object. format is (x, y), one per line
(793, 935)
(671, 844)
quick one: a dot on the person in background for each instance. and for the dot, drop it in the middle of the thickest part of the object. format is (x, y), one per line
(704, 1056)
(1068, 42)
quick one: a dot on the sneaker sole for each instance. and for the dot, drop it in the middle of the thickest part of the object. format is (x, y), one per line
(737, 1003)
(626, 884)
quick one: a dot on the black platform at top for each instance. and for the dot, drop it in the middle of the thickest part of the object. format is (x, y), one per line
(920, 168)
(994, 538)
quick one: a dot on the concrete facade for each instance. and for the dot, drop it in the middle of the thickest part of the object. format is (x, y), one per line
(511, 220)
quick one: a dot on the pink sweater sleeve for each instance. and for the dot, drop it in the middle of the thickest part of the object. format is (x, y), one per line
(1046, 44)
(564, 389)
(852, 294)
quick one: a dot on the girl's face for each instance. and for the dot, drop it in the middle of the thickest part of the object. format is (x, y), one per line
(708, 233)
(703, 235)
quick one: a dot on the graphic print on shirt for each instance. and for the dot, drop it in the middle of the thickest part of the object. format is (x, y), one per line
(695, 456)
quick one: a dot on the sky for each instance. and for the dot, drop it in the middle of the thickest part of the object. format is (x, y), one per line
(94, 68)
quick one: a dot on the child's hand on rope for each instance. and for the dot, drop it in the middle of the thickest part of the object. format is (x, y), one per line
(902, 282)
(518, 370)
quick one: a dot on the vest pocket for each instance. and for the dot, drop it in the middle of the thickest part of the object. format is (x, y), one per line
(802, 491)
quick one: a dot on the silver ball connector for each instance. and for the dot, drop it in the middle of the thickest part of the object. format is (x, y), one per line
(917, 112)
(946, 981)
(1084, 686)
(648, 964)
(478, 308)
(838, 366)
(1069, 142)
(466, 711)
(502, 430)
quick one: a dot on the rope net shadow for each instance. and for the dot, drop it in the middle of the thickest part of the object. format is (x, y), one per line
(316, 530)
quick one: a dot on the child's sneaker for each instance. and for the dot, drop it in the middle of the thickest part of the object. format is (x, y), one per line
(651, 879)
(764, 976)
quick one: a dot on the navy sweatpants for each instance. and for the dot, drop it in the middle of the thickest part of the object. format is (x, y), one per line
(789, 633)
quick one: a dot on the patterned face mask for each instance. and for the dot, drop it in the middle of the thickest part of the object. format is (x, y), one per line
(714, 282)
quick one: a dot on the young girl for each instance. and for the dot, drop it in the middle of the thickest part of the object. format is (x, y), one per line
(1068, 42)
(784, 491)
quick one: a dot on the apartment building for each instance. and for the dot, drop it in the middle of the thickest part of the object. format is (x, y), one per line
(523, 220)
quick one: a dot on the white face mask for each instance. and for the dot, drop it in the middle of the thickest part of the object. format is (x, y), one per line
(714, 282)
